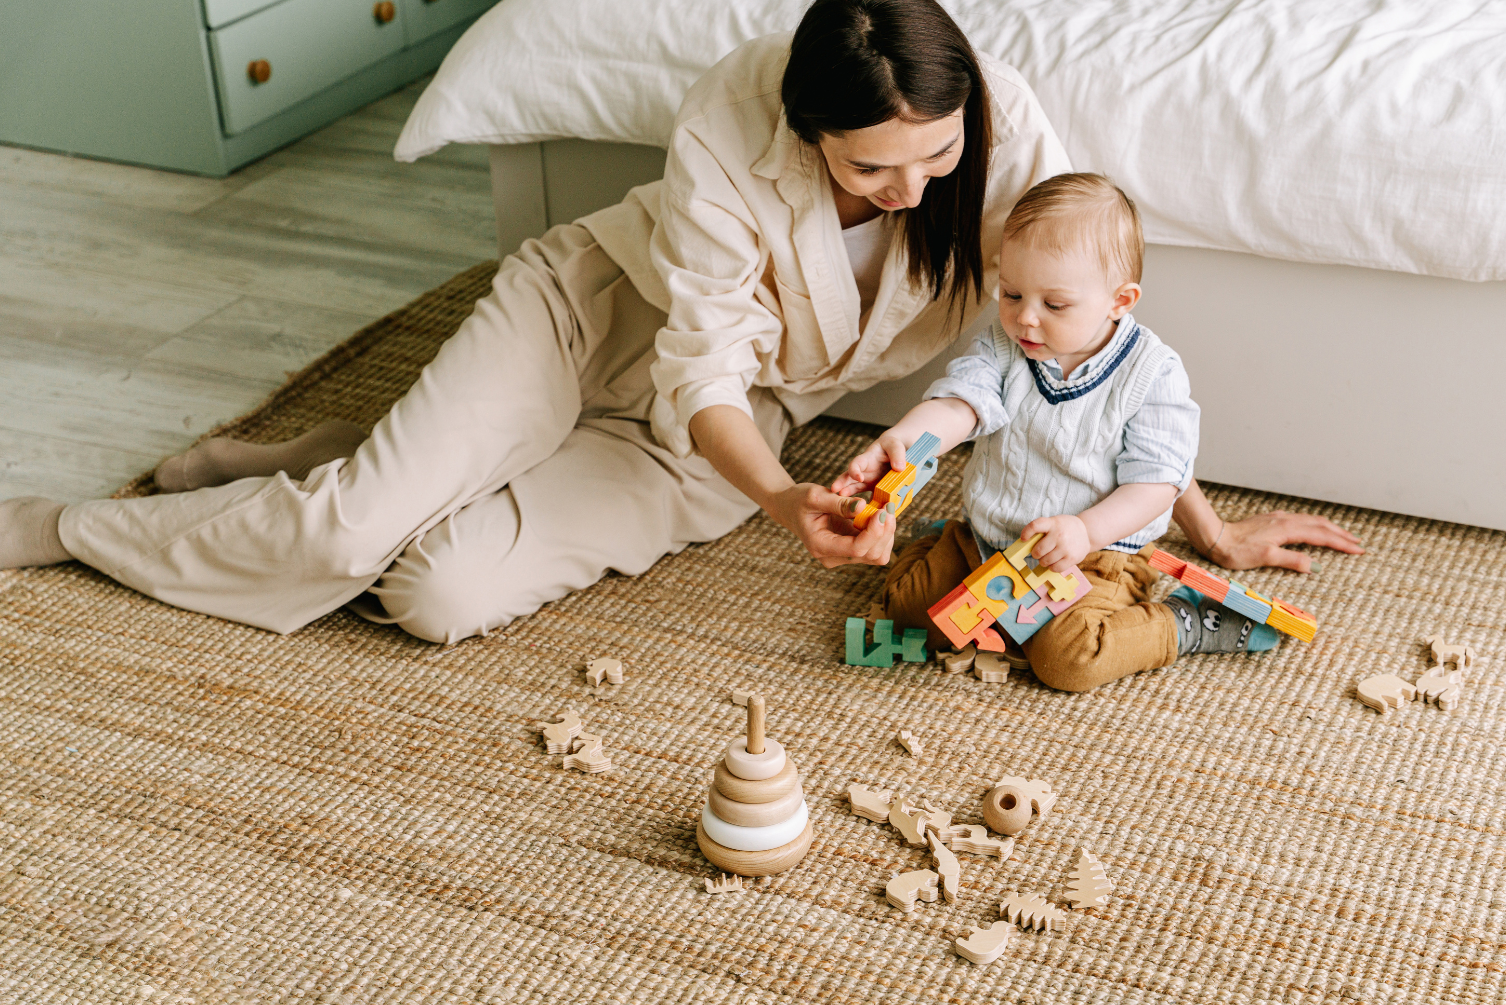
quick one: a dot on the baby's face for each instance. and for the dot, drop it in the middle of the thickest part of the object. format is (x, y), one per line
(1059, 307)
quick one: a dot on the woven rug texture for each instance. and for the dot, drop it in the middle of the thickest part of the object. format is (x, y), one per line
(193, 811)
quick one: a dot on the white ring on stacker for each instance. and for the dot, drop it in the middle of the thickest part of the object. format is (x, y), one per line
(754, 767)
(754, 838)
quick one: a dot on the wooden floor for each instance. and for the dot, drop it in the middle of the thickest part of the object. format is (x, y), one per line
(139, 308)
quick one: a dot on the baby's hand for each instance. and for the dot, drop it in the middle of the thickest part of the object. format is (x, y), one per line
(885, 453)
(1066, 541)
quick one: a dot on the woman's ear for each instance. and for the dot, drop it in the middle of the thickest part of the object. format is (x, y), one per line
(1125, 299)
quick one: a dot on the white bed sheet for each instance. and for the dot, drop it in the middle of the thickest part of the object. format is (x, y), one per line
(1354, 132)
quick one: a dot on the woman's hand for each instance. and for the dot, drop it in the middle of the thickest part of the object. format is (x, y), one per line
(1261, 540)
(822, 520)
(883, 455)
(1066, 542)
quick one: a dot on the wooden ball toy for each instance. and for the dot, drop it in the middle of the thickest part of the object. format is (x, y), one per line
(1006, 809)
(755, 821)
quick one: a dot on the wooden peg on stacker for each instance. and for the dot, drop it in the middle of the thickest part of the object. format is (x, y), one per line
(755, 724)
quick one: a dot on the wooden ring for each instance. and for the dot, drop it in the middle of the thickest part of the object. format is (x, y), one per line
(1006, 809)
(740, 790)
(754, 838)
(754, 767)
(755, 814)
(754, 863)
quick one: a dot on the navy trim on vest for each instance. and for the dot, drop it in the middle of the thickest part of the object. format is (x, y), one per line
(1056, 397)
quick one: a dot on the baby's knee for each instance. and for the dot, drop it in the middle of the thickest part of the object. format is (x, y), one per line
(1064, 657)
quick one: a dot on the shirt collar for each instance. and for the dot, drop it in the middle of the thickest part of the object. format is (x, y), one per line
(1095, 362)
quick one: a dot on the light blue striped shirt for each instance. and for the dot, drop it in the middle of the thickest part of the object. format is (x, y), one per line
(1016, 470)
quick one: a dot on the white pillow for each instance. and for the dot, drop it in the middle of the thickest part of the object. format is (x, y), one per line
(1357, 132)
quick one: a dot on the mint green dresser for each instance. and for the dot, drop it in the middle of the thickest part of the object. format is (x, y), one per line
(207, 85)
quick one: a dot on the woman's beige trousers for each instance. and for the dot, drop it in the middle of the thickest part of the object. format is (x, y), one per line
(518, 468)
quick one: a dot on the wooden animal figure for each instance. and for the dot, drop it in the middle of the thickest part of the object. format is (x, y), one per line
(936, 820)
(910, 742)
(1442, 686)
(1037, 791)
(1447, 652)
(588, 756)
(1384, 692)
(984, 945)
(866, 802)
(1089, 886)
(947, 867)
(1030, 911)
(904, 889)
(557, 735)
(991, 668)
(727, 884)
(606, 669)
(977, 842)
(910, 822)
(960, 662)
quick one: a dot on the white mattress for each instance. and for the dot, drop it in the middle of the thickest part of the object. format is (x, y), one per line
(1355, 132)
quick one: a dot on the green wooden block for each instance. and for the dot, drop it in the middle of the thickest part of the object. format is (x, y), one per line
(911, 647)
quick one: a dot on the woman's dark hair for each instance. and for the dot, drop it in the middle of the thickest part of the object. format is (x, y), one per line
(857, 63)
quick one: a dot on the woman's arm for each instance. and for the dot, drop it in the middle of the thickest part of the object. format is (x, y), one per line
(819, 517)
(1258, 540)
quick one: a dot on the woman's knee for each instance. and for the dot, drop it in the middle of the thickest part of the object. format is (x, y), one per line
(443, 601)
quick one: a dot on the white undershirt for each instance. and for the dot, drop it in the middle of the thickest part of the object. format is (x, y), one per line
(867, 247)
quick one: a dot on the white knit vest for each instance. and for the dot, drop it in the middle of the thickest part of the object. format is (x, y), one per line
(1051, 458)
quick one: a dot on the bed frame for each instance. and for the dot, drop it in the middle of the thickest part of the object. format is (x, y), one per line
(1356, 386)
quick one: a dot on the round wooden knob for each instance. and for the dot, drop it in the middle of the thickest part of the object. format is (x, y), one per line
(1007, 810)
(259, 70)
(384, 11)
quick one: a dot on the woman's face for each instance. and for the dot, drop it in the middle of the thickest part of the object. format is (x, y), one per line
(890, 163)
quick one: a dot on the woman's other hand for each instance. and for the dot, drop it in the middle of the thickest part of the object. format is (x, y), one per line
(822, 520)
(1261, 541)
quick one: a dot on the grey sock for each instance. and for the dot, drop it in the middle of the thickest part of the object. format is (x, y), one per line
(1206, 626)
(29, 533)
(221, 460)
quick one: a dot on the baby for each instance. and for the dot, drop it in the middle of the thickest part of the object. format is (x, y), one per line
(1086, 433)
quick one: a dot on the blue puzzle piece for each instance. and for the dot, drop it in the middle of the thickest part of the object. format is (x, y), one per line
(1242, 603)
(911, 647)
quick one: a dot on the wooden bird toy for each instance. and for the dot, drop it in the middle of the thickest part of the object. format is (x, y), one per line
(984, 945)
(588, 756)
(896, 490)
(755, 821)
(558, 735)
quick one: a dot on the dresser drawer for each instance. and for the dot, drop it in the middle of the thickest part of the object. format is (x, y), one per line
(222, 12)
(307, 45)
(422, 18)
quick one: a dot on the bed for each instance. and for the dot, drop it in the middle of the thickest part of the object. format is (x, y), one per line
(1323, 188)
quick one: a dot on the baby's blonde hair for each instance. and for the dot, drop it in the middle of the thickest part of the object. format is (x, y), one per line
(1072, 211)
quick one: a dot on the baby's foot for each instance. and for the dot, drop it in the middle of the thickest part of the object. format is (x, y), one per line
(222, 460)
(29, 533)
(1206, 626)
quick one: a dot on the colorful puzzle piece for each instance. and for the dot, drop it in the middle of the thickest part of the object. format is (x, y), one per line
(896, 490)
(1273, 611)
(1007, 592)
(911, 647)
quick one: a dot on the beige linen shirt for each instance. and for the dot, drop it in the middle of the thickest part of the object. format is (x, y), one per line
(741, 246)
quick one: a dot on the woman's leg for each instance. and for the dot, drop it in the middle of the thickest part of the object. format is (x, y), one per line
(501, 396)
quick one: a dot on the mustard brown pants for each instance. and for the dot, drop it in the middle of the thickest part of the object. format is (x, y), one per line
(1112, 632)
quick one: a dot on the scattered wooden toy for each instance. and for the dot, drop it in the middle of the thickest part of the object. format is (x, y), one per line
(976, 841)
(606, 668)
(1384, 692)
(911, 647)
(946, 867)
(558, 735)
(904, 889)
(740, 697)
(937, 820)
(896, 490)
(1008, 806)
(588, 756)
(984, 945)
(755, 771)
(910, 822)
(727, 884)
(1089, 886)
(991, 668)
(910, 742)
(866, 802)
(962, 661)
(1441, 686)
(1031, 911)
(1447, 652)
(1007, 592)
(1272, 611)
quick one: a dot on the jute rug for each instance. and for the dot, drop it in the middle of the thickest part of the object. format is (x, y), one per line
(195, 811)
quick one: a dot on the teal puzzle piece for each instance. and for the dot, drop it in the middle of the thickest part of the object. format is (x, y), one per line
(911, 646)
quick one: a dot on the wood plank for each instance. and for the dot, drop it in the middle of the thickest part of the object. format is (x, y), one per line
(73, 293)
(258, 339)
(122, 184)
(35, 464)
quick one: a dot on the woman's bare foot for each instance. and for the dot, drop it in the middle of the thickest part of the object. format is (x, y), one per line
(29, 533)
(221, 460)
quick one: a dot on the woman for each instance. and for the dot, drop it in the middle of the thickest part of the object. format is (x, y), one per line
(829, 218)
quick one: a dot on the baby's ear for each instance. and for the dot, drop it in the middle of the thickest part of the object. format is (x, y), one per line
(1126, 296)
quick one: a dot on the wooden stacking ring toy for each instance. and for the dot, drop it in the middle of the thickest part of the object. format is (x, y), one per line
(755, 821)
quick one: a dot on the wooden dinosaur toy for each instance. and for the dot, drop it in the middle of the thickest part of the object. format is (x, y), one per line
(557, 735)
